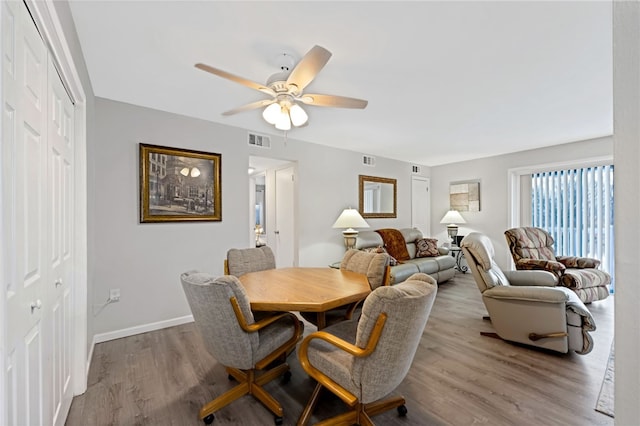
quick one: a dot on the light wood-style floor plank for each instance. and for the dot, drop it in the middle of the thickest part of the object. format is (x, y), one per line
(458, 377)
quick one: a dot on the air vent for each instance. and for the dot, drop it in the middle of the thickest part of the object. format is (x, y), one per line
(415, 169)
(261, 141)
(368, 160)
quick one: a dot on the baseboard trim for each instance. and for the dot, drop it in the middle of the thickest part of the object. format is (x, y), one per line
(139, 329)
(90, 357)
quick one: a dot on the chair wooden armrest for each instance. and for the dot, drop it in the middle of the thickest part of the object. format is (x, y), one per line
(256, 326)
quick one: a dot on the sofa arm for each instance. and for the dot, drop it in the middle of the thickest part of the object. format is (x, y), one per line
(532, 278)
(528, 293)
(443, 250)
(578, 262)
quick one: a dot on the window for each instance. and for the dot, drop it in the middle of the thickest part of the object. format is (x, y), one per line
(576, 207)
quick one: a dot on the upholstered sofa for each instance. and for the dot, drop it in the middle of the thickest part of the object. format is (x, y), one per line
(441, 266)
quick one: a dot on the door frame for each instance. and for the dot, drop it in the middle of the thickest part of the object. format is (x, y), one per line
(51, 29)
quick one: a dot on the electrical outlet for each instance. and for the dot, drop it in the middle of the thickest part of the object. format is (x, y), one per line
(114, 294)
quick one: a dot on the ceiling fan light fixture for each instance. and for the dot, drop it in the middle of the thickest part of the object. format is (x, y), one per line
(272, 113)
(298, 115)
(284, 122)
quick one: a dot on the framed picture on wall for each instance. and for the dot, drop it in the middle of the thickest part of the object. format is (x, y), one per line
(179, 185)
(464, 196)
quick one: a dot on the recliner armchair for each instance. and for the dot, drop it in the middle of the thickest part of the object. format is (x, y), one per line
(527, 306)
(532, 248)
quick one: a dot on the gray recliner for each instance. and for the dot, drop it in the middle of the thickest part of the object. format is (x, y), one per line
(220, 307)
(527, 306)
(363, 361)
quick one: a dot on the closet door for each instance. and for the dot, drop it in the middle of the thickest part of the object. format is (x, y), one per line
(59, 226)
(37, 199)
(24, 156)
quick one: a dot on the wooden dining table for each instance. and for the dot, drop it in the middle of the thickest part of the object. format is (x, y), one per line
(304, 289)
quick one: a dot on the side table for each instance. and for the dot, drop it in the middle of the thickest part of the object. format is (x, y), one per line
(457, 253)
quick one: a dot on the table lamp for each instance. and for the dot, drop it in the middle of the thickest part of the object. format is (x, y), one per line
(349, 219)
(452, 218)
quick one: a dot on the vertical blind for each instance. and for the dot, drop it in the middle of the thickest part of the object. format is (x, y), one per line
(576, 207)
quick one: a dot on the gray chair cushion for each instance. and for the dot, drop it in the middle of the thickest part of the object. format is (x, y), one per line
(243, 261)
(373, 265)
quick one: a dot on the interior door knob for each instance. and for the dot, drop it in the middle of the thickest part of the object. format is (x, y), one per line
(36, 305)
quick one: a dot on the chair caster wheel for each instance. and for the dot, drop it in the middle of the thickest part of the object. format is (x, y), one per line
(277, 420)
(287, 377)
(209, 419)
(402, 411)
(230, 377)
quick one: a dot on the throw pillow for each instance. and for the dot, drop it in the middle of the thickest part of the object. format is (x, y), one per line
(427, 247)
(392, 260)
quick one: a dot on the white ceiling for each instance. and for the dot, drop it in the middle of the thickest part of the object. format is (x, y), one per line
(445, 81)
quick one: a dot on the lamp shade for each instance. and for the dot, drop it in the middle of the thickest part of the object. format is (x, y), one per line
(350, 218)
(298, 115)
(272, 113)
(453, 217)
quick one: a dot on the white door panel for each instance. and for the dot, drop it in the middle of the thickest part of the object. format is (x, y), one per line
(285, 218)
(59, 131)
(37, 176)
(420, 205)
(24, 138)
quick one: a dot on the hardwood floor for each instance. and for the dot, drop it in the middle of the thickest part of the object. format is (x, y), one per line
(458, 377)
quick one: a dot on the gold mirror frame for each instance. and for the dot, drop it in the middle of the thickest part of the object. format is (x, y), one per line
(381, 214)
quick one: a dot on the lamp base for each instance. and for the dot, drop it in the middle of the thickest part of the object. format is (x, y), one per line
(452, 230)
(350, 237)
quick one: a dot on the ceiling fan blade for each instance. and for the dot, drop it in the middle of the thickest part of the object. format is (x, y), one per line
(333, 101)
(235, 78)
(308, 67)
(248, 107)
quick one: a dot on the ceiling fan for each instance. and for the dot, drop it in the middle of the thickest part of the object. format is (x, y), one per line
(286, 90)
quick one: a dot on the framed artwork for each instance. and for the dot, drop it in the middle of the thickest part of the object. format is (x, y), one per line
(179, 185)
(464, 196)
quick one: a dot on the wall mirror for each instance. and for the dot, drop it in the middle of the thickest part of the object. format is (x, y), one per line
(377, 197)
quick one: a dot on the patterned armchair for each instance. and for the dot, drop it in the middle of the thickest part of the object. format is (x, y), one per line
(532, 248)
(363, 361)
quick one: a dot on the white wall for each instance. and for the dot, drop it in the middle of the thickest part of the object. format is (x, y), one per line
(145, 260)
(493, 217)
(626, 124)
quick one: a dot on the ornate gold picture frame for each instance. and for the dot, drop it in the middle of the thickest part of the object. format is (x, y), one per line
(377, 197)
(179, 185)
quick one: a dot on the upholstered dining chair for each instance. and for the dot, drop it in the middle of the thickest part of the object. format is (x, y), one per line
(243, 261)
(374, 265)
(532, 248)
(364, 361)
(528, 306)
(245, 347)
